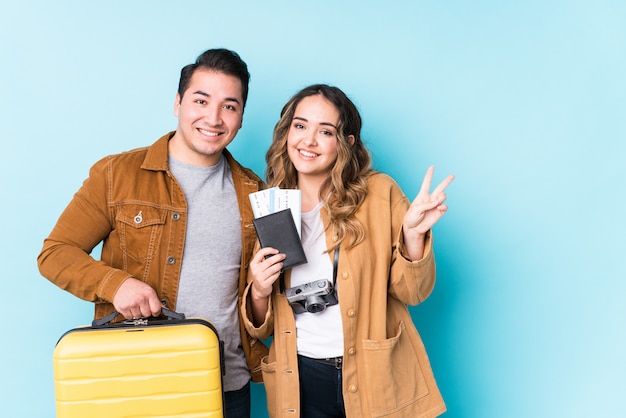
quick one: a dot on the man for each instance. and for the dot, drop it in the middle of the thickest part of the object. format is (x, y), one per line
(166, 216)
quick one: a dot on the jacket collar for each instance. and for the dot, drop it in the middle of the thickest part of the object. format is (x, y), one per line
(157, 157)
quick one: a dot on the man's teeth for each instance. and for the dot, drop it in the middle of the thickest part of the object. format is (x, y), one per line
(208, 133)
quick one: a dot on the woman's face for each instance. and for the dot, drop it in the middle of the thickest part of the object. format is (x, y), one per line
(312, 137)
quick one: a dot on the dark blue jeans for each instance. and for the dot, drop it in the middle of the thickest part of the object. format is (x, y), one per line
(320, 389)
(237, 403)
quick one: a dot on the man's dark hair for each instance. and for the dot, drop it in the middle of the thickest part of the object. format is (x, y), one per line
(220, 60)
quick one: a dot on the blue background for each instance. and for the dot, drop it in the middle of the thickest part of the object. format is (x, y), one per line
(524, 101)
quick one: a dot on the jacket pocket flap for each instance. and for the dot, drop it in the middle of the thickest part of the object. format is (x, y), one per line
(140, 216)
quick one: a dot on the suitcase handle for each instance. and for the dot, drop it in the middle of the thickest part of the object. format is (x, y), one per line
(110, 317)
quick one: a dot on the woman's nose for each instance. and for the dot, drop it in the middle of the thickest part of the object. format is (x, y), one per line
(309, 139)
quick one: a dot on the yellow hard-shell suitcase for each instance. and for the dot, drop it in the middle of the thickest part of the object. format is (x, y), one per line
(141, 368)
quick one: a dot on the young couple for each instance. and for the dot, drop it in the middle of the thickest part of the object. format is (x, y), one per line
(361, 356)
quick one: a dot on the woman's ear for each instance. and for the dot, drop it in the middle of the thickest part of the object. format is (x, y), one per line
(351, 139)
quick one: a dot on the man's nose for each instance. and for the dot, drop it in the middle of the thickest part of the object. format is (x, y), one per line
(213, 115)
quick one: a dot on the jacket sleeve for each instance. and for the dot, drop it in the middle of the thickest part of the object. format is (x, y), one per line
(65, 258)
(266, 329)
(411, 282)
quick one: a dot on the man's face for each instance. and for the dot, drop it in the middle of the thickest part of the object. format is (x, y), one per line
(209, 117)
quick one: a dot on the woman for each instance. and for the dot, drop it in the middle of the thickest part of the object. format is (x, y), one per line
(359, 355)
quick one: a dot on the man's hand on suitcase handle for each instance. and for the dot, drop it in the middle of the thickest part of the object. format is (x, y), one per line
(135, 299)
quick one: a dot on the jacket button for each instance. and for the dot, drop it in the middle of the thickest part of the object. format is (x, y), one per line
(164, 302)
(351, 313)
(171, 260)
(351, 351)
(352, 388)
(345, 275)
(175, 216)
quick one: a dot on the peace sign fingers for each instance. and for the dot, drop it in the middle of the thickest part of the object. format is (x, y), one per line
(423, 213)
(424, 194)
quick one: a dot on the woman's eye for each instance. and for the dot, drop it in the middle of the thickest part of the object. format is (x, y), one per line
(298, 126)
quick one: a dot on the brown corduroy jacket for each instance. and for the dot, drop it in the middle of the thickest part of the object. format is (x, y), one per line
(386, 371)
(149, 247)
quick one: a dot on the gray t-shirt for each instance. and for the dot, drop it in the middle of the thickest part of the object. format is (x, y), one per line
(212, 258)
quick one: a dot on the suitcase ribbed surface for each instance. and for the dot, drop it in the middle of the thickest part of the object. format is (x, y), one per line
(147, 372)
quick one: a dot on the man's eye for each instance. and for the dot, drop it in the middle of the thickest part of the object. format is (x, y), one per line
(200, 101)
(229, 107)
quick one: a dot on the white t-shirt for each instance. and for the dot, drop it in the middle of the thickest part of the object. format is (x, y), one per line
(318, 335)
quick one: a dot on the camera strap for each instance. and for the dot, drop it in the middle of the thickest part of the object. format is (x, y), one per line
(281, 280)
(335, 262)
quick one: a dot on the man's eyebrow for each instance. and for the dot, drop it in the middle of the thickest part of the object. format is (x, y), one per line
(227, 99)
(321, 123)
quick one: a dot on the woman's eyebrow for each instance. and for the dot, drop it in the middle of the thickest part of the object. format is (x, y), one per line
(306, 120)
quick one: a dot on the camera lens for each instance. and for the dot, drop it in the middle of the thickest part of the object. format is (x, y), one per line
(315, 304)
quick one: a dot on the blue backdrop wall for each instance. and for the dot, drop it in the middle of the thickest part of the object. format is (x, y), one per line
(522, 100)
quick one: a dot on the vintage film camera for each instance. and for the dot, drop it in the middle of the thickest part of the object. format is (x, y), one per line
(311, 297)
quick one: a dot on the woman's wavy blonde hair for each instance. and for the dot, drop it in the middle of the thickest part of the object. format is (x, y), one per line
(346, 188)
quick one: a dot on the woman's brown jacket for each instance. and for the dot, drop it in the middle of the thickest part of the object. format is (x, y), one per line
(386, 371)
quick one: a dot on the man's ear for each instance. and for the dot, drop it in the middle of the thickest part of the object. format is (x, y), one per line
(176, 104)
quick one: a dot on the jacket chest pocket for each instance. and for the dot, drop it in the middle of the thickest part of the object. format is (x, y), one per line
(140, 229)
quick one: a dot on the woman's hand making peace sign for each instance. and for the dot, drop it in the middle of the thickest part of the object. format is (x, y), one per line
(427, 208)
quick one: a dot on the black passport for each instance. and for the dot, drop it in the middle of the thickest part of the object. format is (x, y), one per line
(278, 230)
